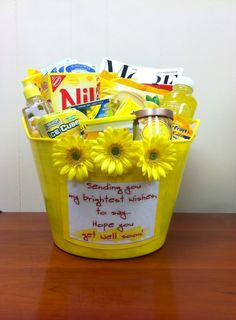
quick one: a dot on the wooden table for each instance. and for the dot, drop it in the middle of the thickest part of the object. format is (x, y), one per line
(192, 277)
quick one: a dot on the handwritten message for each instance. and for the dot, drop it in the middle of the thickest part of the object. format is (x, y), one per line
(112, 213)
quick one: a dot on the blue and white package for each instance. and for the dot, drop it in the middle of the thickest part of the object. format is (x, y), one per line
(69, 65)
(95, 109)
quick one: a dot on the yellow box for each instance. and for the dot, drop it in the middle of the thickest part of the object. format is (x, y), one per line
(67, 89)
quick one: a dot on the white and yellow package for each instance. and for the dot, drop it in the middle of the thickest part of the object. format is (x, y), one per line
(112, 84)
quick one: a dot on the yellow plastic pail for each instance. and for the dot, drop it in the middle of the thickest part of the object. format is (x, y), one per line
(108, 218)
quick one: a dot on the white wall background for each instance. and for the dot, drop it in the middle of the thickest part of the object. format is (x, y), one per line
(198, 35)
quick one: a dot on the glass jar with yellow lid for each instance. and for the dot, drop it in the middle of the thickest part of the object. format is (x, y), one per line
(152, 121)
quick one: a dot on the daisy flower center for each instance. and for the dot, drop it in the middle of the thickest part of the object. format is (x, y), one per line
(75, 154)
(153, 156)
(116, 151)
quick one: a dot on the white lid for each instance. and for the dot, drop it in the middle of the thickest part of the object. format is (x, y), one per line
(184, 80)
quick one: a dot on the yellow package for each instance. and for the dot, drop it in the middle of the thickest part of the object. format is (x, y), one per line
(68, 89)
(56, 124)
(111, 85)
(127, 108)
(107, 84)
(181, 129)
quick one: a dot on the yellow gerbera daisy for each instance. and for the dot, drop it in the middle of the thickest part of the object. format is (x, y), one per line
(157, 158)
(71, 155)
(114, 151)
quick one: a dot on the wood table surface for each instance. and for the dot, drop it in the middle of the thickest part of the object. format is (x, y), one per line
(192, 277)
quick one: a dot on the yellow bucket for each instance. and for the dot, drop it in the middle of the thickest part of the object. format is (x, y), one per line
(136, 234)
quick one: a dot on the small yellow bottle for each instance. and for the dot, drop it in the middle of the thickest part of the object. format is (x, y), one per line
(181, 100)
(36, 107)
